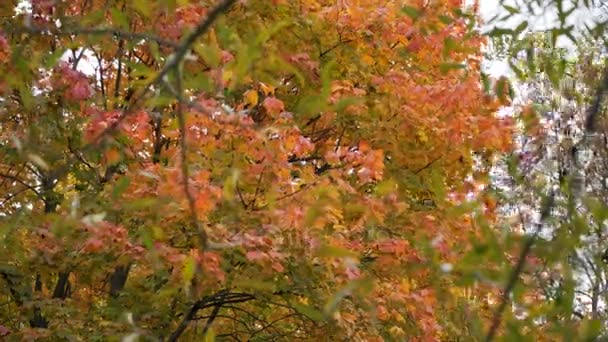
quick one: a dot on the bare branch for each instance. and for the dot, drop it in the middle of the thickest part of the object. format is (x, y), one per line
(20, 181)
(110, 31)
(217, 301)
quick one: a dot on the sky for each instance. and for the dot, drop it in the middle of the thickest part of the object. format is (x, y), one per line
(546, 19)
(488, 9)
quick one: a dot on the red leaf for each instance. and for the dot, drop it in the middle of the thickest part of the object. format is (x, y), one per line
(273, 105)
(4, 331)
(256, 255)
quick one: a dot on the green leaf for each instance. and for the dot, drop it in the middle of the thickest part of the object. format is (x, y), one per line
(121, 185)
(449, 45)
(520, 74)
(309, 311)
(143, 7)
(590, 329)
(386, 187)
(188, 270)
(445, 19)
(344, 103)
(146, 238)
(119, 18)
(327, 251)
(142, 203)
(511, 9)
(230, 184)
(447, 67)
(437, 184)
(485, 81)
(209, 336)
(498, 32)
(210, 54)
(326, 78)
(411, 12)
(93, 18)
(268, 33)
(521, 27)
(51, 60)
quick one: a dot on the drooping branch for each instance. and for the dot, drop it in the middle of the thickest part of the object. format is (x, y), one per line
(427, 165)
(217, 301)
(110, 31)
(20, 181)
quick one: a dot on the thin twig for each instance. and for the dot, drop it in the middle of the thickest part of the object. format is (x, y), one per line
(217, 301)
(302, 188)
(333, 47)
(427, 165)
(211, 318)
(13, 195)
(174, 60)
(20, 181)
(525, 251)
(240, 193)
(119, 54)
(110, 31)
(202, 234)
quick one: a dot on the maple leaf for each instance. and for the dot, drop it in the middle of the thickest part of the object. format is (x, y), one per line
(273, 105)
(207, 179)
(75, 84)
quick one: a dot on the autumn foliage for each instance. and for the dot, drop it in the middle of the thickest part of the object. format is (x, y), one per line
(294, 174)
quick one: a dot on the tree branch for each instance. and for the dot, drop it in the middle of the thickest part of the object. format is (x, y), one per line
(20, 181)
(173, 61)
(137, 36)
(216, 301)
(593, 111)
(202, 234)
(525, 251)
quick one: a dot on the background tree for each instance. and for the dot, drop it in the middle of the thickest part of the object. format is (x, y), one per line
(252, 170)
(558, 155)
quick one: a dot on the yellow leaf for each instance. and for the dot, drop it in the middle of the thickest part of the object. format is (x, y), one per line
(422, 137)
(143, 7)
(189, 269)
(229, 187)
(209, 336)
(158, 233)
(227, 76)
(405, 286)
(335, 252)
(251, 98)
(367, 59)
(112, 156)
(396, 331)
(398, 317)
(267, 90)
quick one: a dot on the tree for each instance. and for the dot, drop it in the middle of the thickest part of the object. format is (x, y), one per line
(244, 170)
(555, 192)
